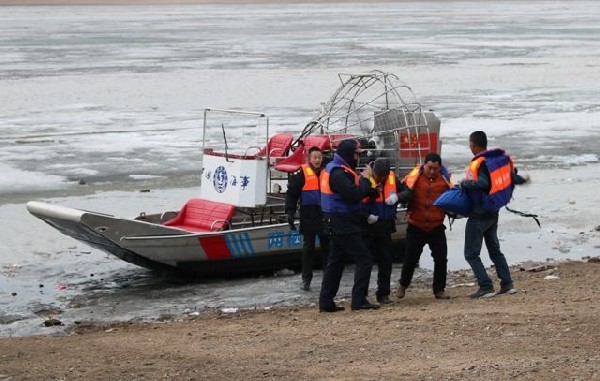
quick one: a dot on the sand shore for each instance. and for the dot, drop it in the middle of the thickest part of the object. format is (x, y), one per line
(549, 330)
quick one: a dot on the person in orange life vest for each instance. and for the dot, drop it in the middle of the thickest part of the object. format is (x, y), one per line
(380, 223)
(422, 186)
(489, 183)
(342, 191)
(303, 186)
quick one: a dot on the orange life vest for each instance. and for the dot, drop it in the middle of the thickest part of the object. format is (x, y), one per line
(421, 211)
(330, 201)
(378, 206)
(310, 195)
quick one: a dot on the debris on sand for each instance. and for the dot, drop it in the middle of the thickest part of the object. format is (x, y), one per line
(52, 322)
(470, 284)
(535, 266)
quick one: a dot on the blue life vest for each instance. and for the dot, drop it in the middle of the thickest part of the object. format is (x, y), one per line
(332, 202)
(500, 168)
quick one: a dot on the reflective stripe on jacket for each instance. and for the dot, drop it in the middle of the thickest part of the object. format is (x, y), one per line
(311, 195)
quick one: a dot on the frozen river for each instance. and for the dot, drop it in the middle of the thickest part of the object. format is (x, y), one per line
(113, 97)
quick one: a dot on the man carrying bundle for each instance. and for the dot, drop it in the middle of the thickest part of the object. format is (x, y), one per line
(489, 183)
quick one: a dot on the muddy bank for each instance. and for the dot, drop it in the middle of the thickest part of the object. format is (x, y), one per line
(548, 330)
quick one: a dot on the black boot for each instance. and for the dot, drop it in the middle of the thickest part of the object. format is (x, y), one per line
(305, 286)
(384, 299)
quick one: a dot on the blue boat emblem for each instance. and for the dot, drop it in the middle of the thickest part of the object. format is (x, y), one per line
(220, 179)
(294, 239)
(275, 239)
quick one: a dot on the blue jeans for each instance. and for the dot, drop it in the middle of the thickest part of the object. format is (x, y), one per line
(481, 228)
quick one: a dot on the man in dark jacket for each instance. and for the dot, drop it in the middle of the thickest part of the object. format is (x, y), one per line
(380, 223)
(487, 168)
(303, 186)
(342, 191)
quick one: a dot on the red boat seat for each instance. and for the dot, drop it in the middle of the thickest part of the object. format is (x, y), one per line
(293, 162)
(325, 142)
(319, 141)
(279, 145)
(199, 215)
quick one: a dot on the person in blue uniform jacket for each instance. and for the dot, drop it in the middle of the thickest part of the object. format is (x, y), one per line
(303, 187)
(342, 191)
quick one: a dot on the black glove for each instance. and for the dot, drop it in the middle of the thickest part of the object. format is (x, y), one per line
(291, 220)
(373, 193)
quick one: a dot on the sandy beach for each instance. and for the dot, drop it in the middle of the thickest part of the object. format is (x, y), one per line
(549, 330)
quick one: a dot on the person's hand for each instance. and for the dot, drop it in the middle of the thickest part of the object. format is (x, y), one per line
(367, 172)
(392, 199)
(373, 193)
(291, 220)
(372, 219)
(527, 178)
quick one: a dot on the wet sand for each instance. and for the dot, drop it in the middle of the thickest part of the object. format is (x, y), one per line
(548, 330)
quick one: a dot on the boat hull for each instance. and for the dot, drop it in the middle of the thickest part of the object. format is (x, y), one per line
(170, 250)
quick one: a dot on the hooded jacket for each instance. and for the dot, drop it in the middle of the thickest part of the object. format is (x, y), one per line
(342, 190)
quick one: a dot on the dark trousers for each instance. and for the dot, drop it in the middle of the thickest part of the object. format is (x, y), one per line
(342, 247)
(416, 239)
(381, 251)
(309, 252)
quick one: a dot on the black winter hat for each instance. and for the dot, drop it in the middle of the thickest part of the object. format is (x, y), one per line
(381, 167)
(347, 148)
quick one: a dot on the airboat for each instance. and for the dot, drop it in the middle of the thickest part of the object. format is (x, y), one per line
(237, 224)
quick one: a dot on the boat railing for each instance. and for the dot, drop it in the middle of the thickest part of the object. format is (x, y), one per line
(229, 173)
(225, 223)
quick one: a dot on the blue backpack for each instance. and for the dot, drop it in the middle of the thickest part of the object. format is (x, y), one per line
(455, 202)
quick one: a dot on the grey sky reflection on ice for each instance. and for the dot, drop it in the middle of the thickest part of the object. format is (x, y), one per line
(115, 95)
(85, 99)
